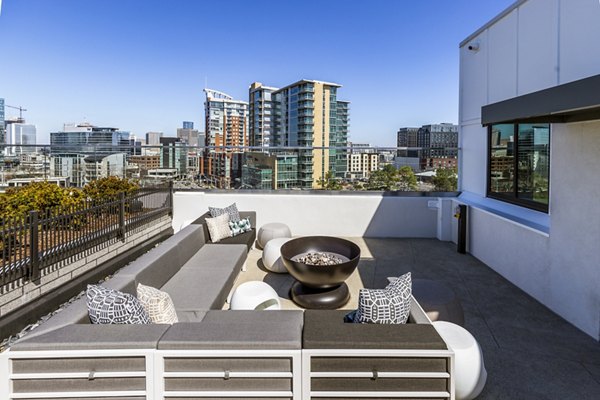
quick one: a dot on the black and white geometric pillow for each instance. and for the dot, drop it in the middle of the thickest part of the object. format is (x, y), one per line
(108, 306)
(239, 227)
(402, 285)
(385, 306)
(232, 210)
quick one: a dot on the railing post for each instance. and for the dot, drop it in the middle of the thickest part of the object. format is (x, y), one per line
(122, 216)
(171, 198)
(34, 272)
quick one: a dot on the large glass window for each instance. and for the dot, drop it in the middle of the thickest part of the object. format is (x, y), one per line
(519, 164)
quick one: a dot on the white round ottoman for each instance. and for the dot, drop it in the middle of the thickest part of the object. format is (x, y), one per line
(272, 231)
(255, 295)
(469, 371)
(272, 255)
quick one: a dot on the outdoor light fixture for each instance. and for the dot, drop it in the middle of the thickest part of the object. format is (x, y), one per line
(473, 46)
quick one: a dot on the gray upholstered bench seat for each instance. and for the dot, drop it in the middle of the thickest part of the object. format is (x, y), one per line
(326, 329)
(95, 337)
(204, 282)
(238, 330)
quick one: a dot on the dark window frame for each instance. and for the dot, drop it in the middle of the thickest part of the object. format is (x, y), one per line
(514, 198)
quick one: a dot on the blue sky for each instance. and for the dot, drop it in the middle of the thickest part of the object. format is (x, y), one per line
(141, 65)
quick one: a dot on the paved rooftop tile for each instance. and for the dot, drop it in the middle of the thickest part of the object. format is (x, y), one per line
(529, 352)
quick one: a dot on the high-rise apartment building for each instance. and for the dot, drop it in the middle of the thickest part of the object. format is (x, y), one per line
(261, 115)
(2, 126)
(19, 137)
(303, 114)
(226, 136)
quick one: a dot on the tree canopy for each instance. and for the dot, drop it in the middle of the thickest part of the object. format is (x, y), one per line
(390, 178)
(445, 180)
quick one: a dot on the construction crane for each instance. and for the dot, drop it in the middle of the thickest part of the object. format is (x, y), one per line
(21, 109)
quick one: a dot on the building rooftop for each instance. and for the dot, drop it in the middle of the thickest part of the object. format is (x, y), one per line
(529, 351)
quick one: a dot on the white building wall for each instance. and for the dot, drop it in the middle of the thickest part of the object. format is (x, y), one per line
(368, 215)
(537, 45)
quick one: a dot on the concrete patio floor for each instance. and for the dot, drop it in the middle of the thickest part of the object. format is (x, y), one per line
(529, 352)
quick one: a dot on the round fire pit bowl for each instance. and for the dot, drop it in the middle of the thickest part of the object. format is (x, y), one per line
(320, 286)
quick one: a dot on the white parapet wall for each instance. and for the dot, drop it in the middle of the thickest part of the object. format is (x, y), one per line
(354, 215)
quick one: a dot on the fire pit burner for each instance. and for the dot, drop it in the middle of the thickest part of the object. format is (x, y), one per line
(320, 258)
(320, 264)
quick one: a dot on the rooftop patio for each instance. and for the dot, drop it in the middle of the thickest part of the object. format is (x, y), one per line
(529, 351)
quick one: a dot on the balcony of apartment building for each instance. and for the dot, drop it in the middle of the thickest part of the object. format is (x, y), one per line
(529, 351)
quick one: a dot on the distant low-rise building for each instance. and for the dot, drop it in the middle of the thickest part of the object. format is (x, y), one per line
(20, 137)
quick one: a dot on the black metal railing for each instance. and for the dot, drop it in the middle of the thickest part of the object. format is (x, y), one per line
(41, 239)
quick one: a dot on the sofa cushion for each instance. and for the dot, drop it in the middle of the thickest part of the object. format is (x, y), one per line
(218, 228)
(190, 315)
(325, 329)
(238, 330)
(156, 266)
(247, 238)
(385, 306)
(239, 227)
(109, 306)
(218, 256)
(86, 337)
(231, 210)
(200, 288)
(158, 304)
(189, 240)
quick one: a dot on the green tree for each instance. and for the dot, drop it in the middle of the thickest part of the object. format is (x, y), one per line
(108, 189)
(329, 182)
(384, 179)
(408, 180)
(445, 180)
(40, 196)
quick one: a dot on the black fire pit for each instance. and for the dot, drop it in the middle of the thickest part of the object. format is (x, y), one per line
(320, 286)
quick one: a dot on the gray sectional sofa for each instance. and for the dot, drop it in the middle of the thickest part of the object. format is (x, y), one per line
(214, 353)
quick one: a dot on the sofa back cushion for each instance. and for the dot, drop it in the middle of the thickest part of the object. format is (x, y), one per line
(159, 265)
(251, 215)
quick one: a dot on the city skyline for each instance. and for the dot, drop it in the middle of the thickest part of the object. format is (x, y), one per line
(142, 66)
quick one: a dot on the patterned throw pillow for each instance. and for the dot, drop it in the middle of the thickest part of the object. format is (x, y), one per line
(218, 228)
(108, 306)
(239, 227)
(232, 211)
(158, 304)
(385, 306)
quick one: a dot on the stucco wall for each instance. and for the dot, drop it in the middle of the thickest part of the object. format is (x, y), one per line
(539, 44)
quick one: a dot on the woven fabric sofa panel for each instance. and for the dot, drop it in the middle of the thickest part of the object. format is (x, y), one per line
(239, 354)
(83, 361)
(197, 277)
(374, 360)
(247, 238)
